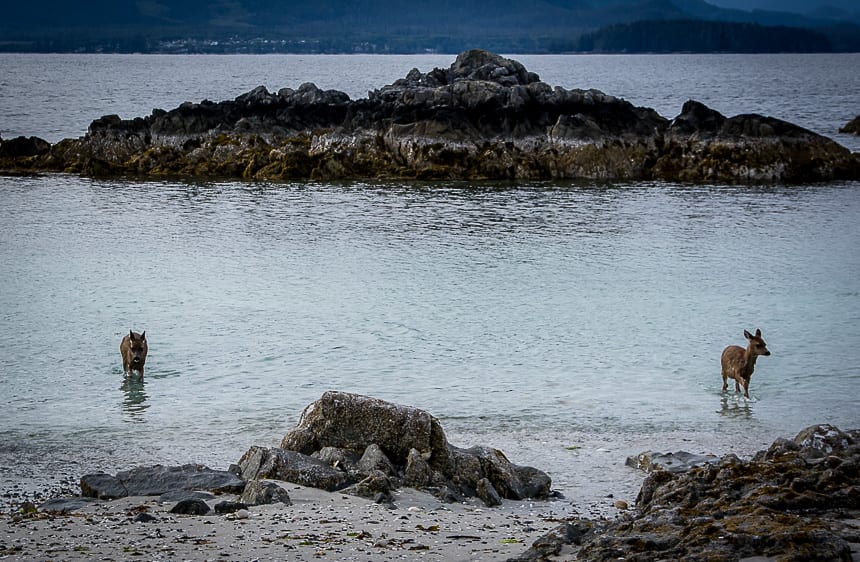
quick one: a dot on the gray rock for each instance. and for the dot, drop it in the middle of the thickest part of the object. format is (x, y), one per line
(376, 485)
(395, 440)
(264, 492)
(487, 493)
(354, 422)
(278, 464)
(548, 546)
(679, 461)
(229, 507)
(374, 460)
(825, 438)
(447, 494)
(191, 507)
(510, 481)
(341, 459)
(102, 486)
(157, 480)
(144, 517)
(417, 473)
(65, 505)
(179, 495)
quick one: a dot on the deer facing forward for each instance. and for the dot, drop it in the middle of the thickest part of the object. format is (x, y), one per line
(739, 363)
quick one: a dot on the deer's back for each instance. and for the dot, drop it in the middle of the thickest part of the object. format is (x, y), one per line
(733, 358)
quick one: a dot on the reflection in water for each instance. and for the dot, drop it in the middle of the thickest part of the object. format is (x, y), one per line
(134, 402)
(737, 408)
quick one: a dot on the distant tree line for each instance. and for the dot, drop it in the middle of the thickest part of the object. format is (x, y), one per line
(658, 36)
(698, 36)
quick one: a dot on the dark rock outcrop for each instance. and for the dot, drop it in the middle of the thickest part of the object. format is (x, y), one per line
(852, 126)
(24, 147)
(157, 480)
(374, 446)
(485, 117)
(798, 500)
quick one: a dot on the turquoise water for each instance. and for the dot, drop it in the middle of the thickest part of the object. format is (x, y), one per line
(548, 310)
(529, 317)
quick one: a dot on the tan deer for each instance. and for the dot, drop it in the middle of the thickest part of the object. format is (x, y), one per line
(739, 363)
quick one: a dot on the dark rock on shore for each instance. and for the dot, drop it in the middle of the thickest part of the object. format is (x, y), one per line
(65, 505)
(191, 507)
(374, 446)
(852, 126)
(680, 461)
(261, 492)
(797, 501)
(485, 117)
(158, 480)
(343, 442)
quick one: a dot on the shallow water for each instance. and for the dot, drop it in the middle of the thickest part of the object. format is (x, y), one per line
(569, 324)
(506, 311)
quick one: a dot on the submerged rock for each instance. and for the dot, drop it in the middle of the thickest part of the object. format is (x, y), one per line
(798, 500)
(485, 117)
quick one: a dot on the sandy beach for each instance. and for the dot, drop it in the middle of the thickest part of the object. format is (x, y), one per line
(589, 474)
(319, 525)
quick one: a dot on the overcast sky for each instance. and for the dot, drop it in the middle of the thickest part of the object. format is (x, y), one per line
(801, 6)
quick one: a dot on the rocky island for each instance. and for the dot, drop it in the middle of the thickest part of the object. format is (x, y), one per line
(484, 118)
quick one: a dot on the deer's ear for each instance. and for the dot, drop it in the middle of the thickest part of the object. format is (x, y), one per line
(747, 335)
(758, 333)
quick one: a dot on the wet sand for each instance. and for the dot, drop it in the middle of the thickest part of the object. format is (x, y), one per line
(588, 472)
(319, 525)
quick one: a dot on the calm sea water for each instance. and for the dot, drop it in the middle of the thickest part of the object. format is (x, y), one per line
(566, 323)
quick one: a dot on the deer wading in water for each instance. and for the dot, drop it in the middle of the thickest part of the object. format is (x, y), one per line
(739, 363)
(133, 348)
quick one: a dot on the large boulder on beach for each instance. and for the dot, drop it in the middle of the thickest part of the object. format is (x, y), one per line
(355, 422)
(798, 500)
(485, 117)
(361, 444)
